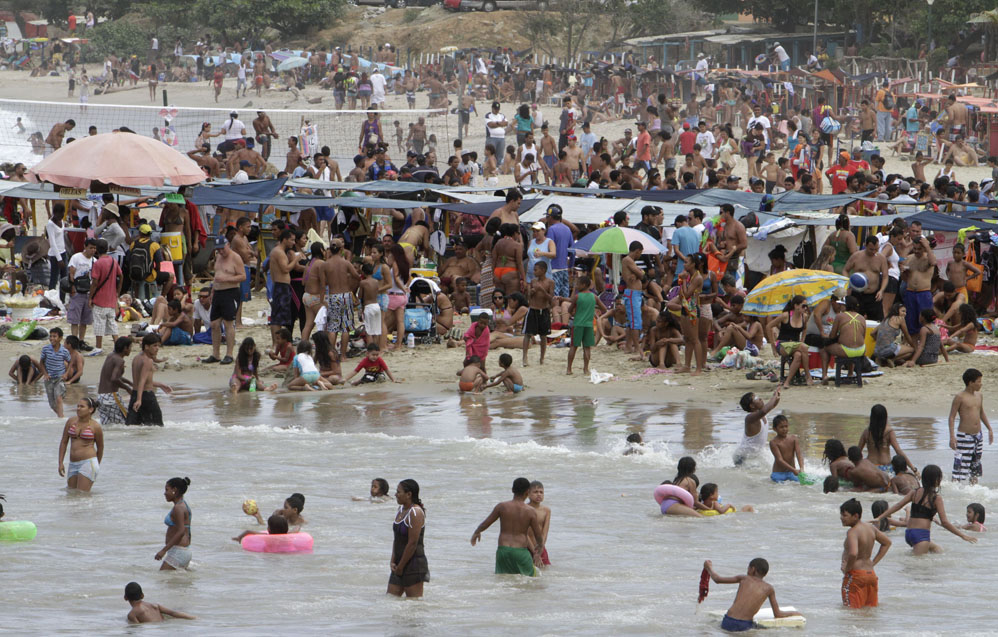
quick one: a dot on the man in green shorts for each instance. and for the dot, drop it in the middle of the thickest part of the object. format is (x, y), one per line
(515, 517)
(582, 309)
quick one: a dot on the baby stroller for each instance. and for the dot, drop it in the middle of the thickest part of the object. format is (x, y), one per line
(421, 310)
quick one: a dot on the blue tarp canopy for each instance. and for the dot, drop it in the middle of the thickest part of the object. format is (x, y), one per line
(938, 221)
(236, 196)
(485, 208)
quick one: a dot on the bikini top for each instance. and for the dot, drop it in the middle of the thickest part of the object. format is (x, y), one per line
(86, 434)
(168, 520)
(920, 511)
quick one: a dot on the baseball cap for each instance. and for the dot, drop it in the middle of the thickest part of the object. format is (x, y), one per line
(845, 155)
(220, 242)
(233, 114)
(627, 130)
(733, 178)
(496, 105)
(538, 225)
(686, 125)
(145, 229)
(754, 180)
(412, 153)
(554, 210)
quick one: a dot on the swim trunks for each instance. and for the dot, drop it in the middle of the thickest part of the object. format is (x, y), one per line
(339, 312)
(178, 337)
(561, 287)
(516, 390)
(967, 459)
(869, 305)
(110, 410)
(538, 322)
(514, 561)
(915, 302)
(87, 468)
(465, 386)
(583, 336)
(737, 625)
(372, 319)
(783, 476)
(916, 536)
(54, 388)
(632, 305)
(149, 412)
(283, 307)
(859, 589)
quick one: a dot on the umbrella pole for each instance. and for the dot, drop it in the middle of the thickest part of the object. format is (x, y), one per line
(616, 272)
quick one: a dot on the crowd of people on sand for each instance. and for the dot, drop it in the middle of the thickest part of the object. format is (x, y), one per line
(348, 289)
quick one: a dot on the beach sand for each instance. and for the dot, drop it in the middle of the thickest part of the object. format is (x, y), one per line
(431, 369)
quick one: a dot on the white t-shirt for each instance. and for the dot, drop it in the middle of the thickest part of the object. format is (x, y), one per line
(533, 150)
(378, 84)
(155, 44)
(781, 54)
(528, 175)
(499, 131)
(81, 263)
(203, 313)
(702, 67)
(304, 364)
(706, 141)
(233, 129)
(241, 73)
(762, 119)
(55, 235)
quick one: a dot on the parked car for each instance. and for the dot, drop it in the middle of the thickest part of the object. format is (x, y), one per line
(453, 5)
(492, 5)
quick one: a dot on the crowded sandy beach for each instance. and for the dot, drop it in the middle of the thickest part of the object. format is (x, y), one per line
(284, 296)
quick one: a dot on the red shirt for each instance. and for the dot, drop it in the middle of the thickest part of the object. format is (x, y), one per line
(839, 175)
(686, 141)
(644, 146)
(104, 279)
(371, 367)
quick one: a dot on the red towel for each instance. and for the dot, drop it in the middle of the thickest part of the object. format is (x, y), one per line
(196, 225)
(704, 585)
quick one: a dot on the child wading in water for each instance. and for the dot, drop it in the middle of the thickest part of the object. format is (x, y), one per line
(145, 612)
(535, 496)
(968, 440)
(752, 593)
(786, 450)
(975, 518)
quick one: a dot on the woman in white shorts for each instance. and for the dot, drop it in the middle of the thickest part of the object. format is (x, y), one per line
(85, 439)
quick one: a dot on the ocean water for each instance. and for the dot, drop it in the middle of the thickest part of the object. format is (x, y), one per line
(619, 567)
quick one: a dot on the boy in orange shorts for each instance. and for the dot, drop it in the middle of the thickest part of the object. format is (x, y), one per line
(859, 582)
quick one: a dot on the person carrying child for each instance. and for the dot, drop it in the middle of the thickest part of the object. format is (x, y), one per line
(510, 377)
(786, 452)
(753, 591)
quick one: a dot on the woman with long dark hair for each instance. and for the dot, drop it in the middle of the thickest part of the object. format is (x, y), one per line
(879, 438)
(409, 568)
(398, 293)
(926, 504)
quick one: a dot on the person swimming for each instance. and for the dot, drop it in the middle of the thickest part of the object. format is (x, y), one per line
(379, 492)
(277, 524)
(291, 511)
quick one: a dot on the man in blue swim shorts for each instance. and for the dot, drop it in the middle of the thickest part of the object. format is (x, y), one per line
(634, 280)
(753, 591)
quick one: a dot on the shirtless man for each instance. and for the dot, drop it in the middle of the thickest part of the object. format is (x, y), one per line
(859, 581)
(752, 593)
(573, 157)
(294, 156)
(871, 263)
(143, 408)
(112, 378)
(867, 121)
(341, 282)
(314, 282)
(459, 265)
(418, 135)
(225, 301)
(734, 241)
(961, 153)
(145, 612)
(956, 116)
(957, 272)
(242, 247)
(409, 84)
(264, 131)
(968, 440)
(204, 159)
(416, 240)
(58, 133)
(508, 212)
(634, 280)
(283, 305)
(549, 152)
(516, 517)
(260, 77)
(464, 111)
(918, 295)
(245, 159)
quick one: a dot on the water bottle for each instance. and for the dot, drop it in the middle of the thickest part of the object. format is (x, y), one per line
(411, 340)
(253, 384)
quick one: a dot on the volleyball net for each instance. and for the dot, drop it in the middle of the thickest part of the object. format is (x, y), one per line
(24, 125)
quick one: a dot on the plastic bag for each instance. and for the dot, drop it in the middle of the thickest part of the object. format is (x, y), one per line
(22, 330)
(596, 377)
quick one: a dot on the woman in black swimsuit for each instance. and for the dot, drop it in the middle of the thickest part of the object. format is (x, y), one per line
(408, 564)
(926, 503)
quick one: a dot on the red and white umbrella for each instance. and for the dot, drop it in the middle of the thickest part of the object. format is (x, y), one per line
(123, 159)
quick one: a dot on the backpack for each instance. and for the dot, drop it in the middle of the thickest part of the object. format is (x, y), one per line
(888, 101)
(140, 261)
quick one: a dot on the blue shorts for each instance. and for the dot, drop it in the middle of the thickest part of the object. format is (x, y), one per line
(517, 388)
(737, 625)
(785, 65)
(916, 536)
(783, 476)
(632, 305)
(178, 337)
(247, 285)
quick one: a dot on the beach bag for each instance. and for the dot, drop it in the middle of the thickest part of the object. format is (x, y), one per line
(22, 330)
(829, 125)
(140, 261)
